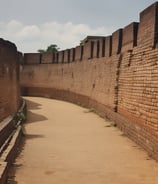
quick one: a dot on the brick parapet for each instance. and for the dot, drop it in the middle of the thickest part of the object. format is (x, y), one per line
(130, 37)
(72, 54)
(46, 58)
(148, 29)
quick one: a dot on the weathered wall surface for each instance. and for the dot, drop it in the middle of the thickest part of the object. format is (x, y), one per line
(117, 75)
(10, 102)
(9, 79)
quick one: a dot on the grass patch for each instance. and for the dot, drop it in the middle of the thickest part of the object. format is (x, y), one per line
(123, 135)
(23, 129)
(108, 126)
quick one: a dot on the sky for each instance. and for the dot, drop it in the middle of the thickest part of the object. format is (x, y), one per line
(36, 24)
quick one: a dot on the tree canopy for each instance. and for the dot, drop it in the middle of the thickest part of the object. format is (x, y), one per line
(51, 48)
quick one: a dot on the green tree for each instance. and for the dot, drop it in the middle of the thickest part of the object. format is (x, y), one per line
(41, 51)
(51, 48)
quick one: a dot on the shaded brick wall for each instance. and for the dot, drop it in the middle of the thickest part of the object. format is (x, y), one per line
(9, 79)
(117, 75)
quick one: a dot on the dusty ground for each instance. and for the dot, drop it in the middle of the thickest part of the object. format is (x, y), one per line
(68, 144)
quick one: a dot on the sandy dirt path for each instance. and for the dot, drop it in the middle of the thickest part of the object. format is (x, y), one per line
(68, 144)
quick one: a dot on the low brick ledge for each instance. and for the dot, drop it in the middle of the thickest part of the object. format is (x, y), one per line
(11, 143)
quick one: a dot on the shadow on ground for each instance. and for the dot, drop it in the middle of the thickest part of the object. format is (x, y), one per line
(33, 136)
(31, 115)
(34, 117)
(32, 105)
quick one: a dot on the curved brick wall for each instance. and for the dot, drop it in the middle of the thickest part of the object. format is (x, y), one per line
(117, 75)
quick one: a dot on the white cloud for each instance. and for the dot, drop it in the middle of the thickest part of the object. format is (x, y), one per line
(30, 38)
(28, 34)
(13, 25)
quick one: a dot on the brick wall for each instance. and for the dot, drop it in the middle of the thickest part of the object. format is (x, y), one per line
(139, 75)
(138, 87)
(117, 75)
(9, 79)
